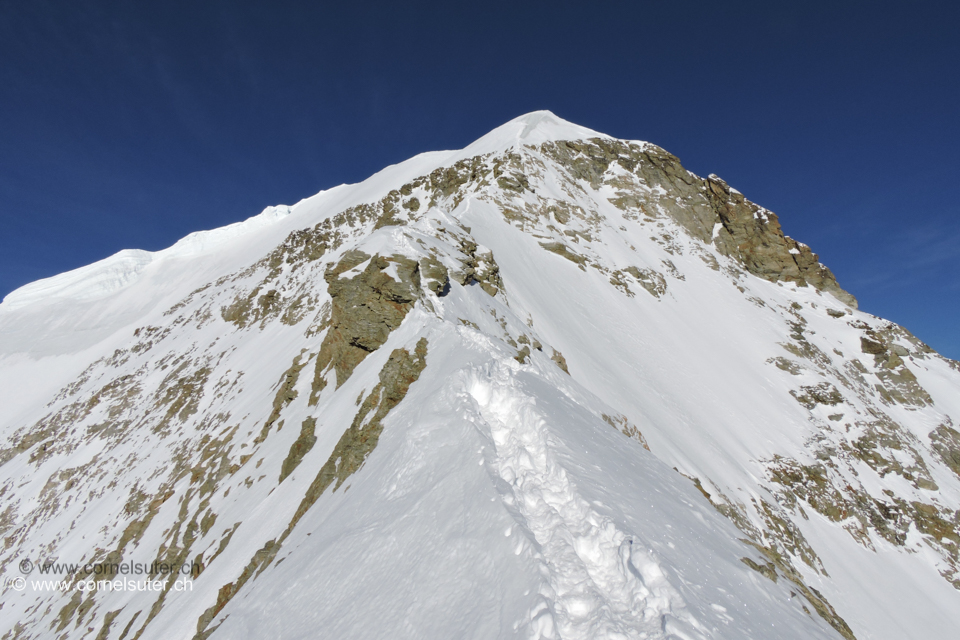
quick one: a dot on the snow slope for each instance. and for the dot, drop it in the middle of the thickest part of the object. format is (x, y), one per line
(532, 388)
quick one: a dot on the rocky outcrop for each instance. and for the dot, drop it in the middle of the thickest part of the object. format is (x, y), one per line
(778, 540)
(557, 357)
(478, 267)
(624, 426)
(945, 441)
(644, 170)
(364, 310)
(401, 370)
(823, 393)
(897, 383)
(821, 486)
(435, 275)
(301, 447)
(650, 182)
(752, 235)
(564, 251)
(286, 393)
(820, 604)
(652, 281)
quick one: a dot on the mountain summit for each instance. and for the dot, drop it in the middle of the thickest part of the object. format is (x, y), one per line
(552, 385)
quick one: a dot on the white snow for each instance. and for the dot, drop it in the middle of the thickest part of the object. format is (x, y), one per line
(529, 129)
(498, 503)
(124, 267)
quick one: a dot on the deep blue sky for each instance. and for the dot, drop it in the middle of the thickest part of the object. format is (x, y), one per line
(131, 124)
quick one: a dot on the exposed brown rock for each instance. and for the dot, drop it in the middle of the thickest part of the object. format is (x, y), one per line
(624, 426)
(557, 357)
(749, 233)
(478, 267)
(435, 275)
(364, 310)
(301, 447)
(284, 396)
(784, 364)
(946, 443)
(563, 250)
(823, 393)
(401, 370)
(654, 283)
(872, 347)
(753, 236)
(778, 541)
(261, 559)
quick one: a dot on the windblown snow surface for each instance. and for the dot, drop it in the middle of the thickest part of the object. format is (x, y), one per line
(532, 403)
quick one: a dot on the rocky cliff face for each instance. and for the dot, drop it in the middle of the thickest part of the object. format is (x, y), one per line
(650, 181)
(407, 387)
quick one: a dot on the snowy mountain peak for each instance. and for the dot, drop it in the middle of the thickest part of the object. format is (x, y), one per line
(551, 386)
(532, 128)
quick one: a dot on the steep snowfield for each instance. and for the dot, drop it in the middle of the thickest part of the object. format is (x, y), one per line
(527, 389)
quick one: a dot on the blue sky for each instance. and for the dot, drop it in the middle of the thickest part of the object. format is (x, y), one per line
(131, 124)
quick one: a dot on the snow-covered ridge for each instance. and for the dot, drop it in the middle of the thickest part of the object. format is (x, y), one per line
(539, 393)
(124, 267)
